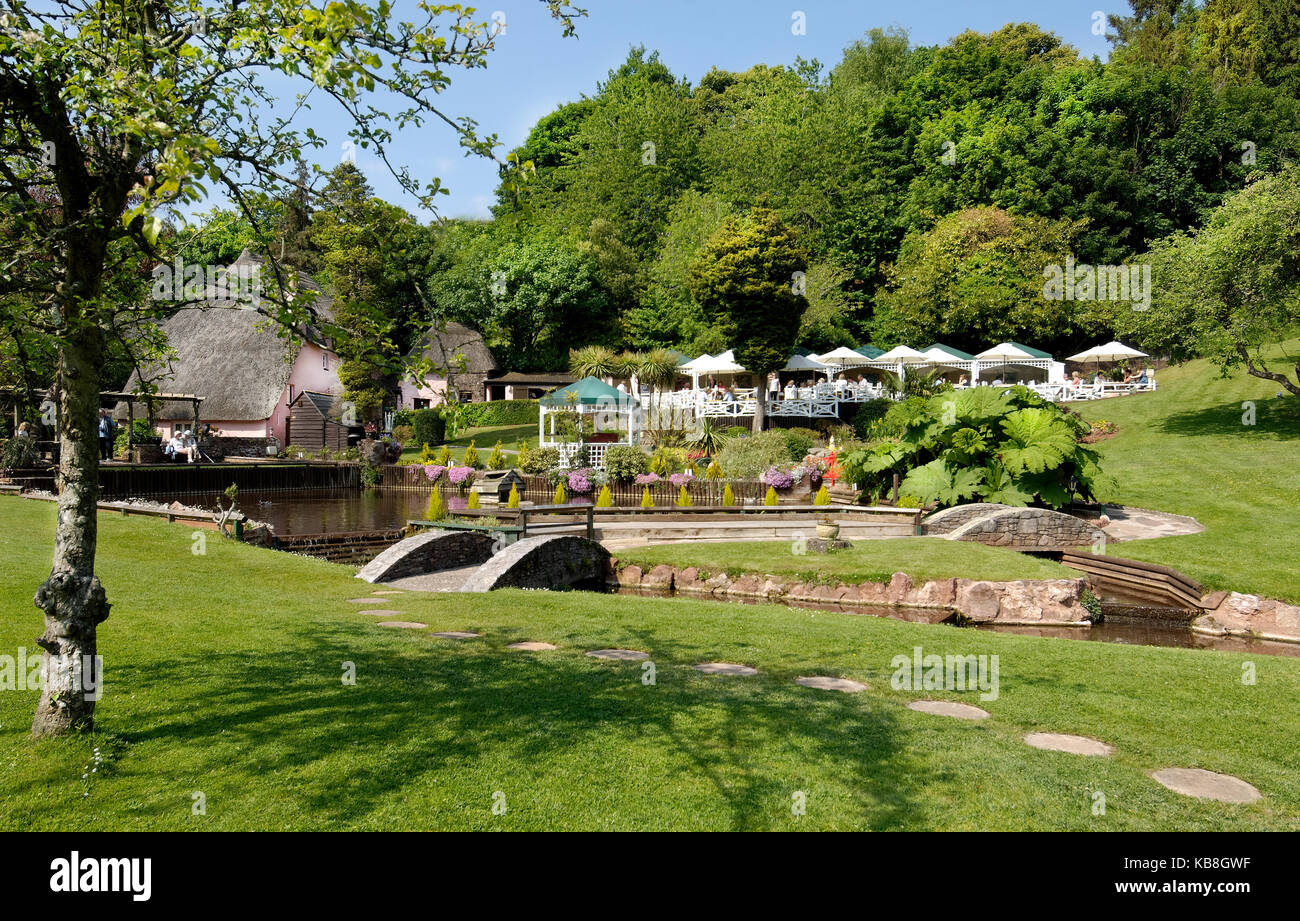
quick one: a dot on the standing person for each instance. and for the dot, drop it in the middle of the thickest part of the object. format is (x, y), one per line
(105, 435)
(773, 386)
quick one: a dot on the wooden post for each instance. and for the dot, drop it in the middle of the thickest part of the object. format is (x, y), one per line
(895, 490)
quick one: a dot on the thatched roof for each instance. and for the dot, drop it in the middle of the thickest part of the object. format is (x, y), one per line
(228, 355)
(457, 349)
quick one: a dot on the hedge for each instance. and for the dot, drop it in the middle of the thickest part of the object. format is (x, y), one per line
(502, 412)
(430, 428)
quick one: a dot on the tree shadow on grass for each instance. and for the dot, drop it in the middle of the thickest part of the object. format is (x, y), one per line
(1276, 419)
(421, 708)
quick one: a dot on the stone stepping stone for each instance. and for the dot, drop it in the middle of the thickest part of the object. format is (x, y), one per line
(949, 708)
(456, 635)
(380, 612)
(1074, 745)
(725, 668)
(532, 647)
(619, 655)
(403, 624)
(1206, 785)
(388, 593)
(827, 683)
(366, 600)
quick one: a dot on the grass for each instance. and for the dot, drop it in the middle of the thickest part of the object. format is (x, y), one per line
(484, 438)
(922, 558)
(1185, 449)
(223, 677)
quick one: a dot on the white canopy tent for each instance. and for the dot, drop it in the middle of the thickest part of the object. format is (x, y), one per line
(1010, 354)
(843, 357)
(1111, 351)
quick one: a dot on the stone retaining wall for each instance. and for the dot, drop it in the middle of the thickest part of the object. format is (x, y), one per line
(1048, 601)
(1235, 614)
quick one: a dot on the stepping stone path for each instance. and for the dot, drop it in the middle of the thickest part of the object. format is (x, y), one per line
(456, 635)
(949, 708)
(388, 593)
(403, 624)
(827, 683)
(725, 668)
(380, 612)
(620, 655)
(1206, 785)
(532, 647)
(1075, 745)
(366, 600)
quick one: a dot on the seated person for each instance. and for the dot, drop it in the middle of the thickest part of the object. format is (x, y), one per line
(729, 396)
(174, 446)
(791, 392)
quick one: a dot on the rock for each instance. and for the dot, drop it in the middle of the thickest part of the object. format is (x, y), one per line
(1235, 614)
(719, 584)
(687, 579)
(900, 586)
(746, 585)
(938, 593)
(660, 578)
(977, 601)
(629, 576)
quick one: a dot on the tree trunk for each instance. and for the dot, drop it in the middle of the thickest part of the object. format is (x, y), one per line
(72, 597)
(760, 408)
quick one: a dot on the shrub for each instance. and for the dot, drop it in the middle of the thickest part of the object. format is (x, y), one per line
(471, 458)
(646, 501)
(771, 497)
(738, 431)
(497, 459)
(684, 497)
(427, 456)
(472, 501)
(539, 461)
(867, 414)
(370, 476)
(624, 463)
(668, 460)
(982, 444)
(728, 497)
(436, 510)
(513, 500)
(746, 458)
(777, 478)
(714, 471)
(579, 482)
(800, 442)
(433, 472)
(427, 427)
(822, 497)
(560, 497)
(461, 477)
(404, 433)
(605, 499)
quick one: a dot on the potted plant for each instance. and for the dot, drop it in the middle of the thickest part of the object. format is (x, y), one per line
(828, 529)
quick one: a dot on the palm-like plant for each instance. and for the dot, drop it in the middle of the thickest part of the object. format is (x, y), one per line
(593, 361)
(709, 438)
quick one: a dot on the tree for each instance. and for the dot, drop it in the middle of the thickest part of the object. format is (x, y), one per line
(749, 279)
(976, 278)
(116, 115)
(1232, 287)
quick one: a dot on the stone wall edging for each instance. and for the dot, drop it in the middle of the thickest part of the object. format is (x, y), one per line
(1025, 602)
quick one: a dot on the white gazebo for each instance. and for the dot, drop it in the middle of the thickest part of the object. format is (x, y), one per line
(843, 357)
(587, 397)
(899, 357)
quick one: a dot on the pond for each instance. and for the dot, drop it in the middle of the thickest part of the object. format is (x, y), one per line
(326, 511)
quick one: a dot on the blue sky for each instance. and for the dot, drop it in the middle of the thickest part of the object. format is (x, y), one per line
(534, 69)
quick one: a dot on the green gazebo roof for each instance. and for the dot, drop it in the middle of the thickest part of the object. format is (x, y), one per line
(869, 351)
(589, 391)
(949, 350)
(1037, 353)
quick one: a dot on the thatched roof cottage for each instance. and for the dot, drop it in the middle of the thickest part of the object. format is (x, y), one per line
(466, 359)
(247, 375)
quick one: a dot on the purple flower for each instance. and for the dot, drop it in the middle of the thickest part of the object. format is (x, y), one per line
(681, 479)
(459, 475)
(579, 481)
(777, 479)
(647, 479)
(433, 471)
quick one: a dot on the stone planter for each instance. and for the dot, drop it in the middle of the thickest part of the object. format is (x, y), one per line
(828, 531)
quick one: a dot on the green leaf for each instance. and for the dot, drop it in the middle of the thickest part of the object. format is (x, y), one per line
(1036, 441)
(937, 482)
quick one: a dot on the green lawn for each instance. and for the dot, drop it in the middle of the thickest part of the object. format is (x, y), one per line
(1184, 449)
(484, 438)
(223, 677)
(922, 558)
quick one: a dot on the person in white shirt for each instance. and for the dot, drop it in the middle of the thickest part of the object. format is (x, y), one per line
(174, 446)
(791, 392)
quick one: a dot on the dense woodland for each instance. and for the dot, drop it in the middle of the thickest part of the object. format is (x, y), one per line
(929, 187)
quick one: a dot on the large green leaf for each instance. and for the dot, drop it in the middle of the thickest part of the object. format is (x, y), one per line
(937, 482)
(1000, 486)
(1037, 440)
(971, 406)
(1049, 486)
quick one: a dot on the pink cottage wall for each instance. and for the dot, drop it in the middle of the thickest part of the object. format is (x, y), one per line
(434, 389)
(315, 369)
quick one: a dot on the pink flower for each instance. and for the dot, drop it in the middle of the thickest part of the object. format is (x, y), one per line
(433, 471)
